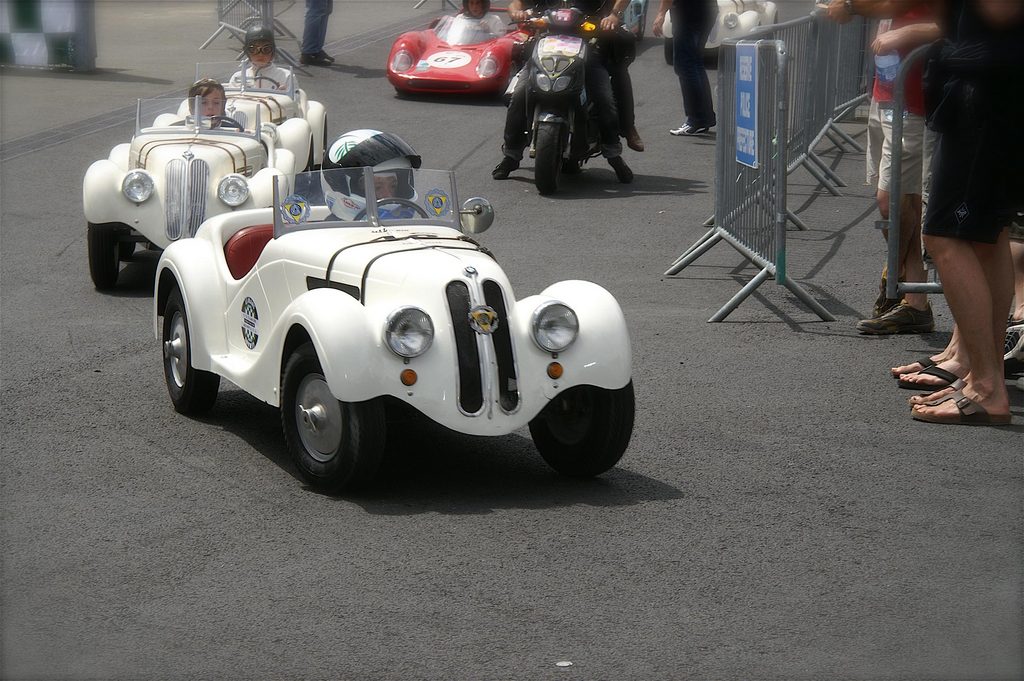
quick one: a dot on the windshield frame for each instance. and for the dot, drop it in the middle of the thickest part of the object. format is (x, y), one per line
(447, 22)
(188, 123)
(450, 217)
(226, 70)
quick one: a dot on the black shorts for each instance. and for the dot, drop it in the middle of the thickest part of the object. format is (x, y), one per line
(977, 185)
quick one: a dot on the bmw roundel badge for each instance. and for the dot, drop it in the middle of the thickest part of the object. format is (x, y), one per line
(483, 319)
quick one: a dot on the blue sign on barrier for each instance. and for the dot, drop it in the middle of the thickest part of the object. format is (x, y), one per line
(746, 104)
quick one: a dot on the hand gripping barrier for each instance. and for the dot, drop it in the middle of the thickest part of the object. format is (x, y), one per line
(238, 16)
(750, 200)
(893, 288)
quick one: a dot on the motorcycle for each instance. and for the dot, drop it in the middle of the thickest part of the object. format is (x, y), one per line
(565, 129)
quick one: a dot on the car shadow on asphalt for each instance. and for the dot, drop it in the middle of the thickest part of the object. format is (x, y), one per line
(350, 69)
(97, 75)
(137, 276)
(428, 468)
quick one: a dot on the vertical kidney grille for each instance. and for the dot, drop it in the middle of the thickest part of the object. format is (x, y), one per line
(508, 385)
(186, 182)
(471, 376)
(471, 396)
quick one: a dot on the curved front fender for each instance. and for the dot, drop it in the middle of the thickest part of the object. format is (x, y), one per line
(601, 355)
(191, 266)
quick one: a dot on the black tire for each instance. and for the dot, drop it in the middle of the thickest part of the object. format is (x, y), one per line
(192, 391)
(125, 250)
(642, 28)
(104, 255)
(335, 445)
(548, 161)
(669, 54)
(585, 430)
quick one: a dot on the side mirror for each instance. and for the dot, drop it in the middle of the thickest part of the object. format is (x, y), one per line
(476, 215)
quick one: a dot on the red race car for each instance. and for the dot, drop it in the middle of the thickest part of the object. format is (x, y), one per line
(457, 54)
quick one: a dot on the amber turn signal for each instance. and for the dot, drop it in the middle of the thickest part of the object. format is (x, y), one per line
(555, 370)
(408, 377)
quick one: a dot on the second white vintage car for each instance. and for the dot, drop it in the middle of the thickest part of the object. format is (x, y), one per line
(359, 291)
(178, 170)
(736, 19)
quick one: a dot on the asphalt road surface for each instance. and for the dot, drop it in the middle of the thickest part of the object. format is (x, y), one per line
(778, 515)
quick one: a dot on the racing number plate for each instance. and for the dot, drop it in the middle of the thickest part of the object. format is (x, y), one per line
(560, 46)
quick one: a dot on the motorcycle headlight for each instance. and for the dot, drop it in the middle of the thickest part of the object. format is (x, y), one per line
(543, 82)
(561, 83)
(731, 20)
(401, 62)
(137, 186)
(554, 326)
(487, 67)
(233, 190)
(409, 332)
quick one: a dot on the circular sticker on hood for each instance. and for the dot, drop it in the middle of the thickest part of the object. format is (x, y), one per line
(449, 59)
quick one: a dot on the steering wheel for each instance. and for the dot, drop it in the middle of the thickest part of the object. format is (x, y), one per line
(257, 79)
(226, 122)
(395, 201)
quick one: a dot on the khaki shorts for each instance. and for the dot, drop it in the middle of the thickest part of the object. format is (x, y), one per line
(879, 153)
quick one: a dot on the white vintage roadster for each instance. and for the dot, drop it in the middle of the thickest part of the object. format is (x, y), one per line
(272, 95)
(178, 170)
(358, 291)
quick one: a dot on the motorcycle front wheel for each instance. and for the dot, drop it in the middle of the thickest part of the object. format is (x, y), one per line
(548, 162)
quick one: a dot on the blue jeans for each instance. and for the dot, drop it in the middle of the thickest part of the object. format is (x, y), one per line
(689, 35)
(314, 33)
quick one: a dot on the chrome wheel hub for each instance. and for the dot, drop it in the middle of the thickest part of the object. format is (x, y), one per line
(318, 418)
(176, 350)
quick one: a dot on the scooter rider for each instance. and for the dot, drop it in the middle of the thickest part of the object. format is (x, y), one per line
(598, 88)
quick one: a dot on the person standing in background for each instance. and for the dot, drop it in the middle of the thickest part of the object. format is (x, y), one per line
(314, 33)
(692, 21)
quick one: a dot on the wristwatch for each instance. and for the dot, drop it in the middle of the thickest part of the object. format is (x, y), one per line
(848, 6)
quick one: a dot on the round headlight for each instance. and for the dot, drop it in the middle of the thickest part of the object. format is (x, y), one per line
(409, 332)
(233, 190)
(487, 67)
(561, 83)
(401, 62)
(543, 82)
(137, 186)
(554, 326)
(731, 20)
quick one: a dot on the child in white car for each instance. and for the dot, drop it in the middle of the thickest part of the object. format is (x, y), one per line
(259, 68)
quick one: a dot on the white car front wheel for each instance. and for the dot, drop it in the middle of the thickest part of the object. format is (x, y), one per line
(585, 430)
(334, 444)
(192, 391)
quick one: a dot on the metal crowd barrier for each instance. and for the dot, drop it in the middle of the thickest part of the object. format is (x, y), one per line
(34, 33)
(826, 83)
(894, 288)
(750, 195)
(238, 16)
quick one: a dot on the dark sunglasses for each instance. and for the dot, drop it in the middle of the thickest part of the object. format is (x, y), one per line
(260, 49)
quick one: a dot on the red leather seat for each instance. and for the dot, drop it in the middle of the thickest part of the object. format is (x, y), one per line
(244, 247)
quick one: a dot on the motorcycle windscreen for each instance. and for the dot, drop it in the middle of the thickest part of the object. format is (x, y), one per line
(560, 46)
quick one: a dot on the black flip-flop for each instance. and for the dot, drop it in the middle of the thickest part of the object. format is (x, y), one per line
(925, 363)
(937, 372)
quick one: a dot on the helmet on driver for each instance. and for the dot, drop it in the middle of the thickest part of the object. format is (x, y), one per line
(391, 158)
(259, 45)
